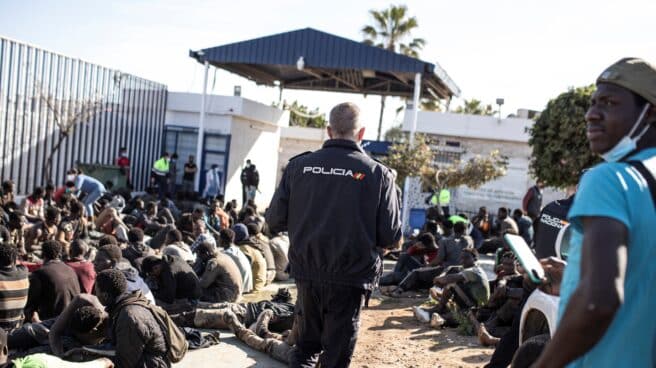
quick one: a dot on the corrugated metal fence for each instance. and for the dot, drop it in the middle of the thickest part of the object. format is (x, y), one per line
(131, 114)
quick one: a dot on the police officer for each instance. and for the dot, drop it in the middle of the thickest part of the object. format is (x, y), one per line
(341, 209)
(160, 174)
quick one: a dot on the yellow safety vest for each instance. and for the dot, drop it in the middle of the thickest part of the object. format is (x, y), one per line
(445, 197)
(161, 166)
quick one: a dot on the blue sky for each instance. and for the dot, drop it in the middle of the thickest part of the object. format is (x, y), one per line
(524, 51)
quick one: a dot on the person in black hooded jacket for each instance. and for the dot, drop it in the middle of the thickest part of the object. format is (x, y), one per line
(137, 336)
(173, 277)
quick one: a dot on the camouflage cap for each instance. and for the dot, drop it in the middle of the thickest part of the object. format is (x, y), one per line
(633, 74)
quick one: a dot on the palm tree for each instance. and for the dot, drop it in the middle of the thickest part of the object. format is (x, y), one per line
(474, 107)
(391, 27)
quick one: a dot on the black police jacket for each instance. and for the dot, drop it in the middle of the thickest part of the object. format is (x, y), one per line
(339, 205)
(552, 219)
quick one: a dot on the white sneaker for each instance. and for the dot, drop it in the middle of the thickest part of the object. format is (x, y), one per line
(421, 315)
(436, 320)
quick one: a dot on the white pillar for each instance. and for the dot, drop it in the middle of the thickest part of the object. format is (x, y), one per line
(413, 129)
(415, 108)
(201, 130)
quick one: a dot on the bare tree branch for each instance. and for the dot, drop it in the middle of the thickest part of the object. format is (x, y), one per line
(66, 116)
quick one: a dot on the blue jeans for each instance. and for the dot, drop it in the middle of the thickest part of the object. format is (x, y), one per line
(251, 190)
(90, 199)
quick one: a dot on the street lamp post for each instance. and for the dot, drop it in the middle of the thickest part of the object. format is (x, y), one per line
(500, 103)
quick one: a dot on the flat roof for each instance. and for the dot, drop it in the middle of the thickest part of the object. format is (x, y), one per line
(314, 60)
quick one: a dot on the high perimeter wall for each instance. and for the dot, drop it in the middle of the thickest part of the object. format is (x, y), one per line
(130, 113)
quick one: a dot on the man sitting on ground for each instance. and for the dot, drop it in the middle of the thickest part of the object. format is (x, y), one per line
(42, 231)
(83, 268)
(467, 288)
(149, 221)
(175, 283)
(450, 249)
(505, 225)
(110, 256)
(136, 250)
(217, 218)
(137, 336)
(14, 286)
(43, 360)
(201, 234)
(422, 252)
(248, 247)
(76, 220)
(262, 243)
(176, 247)
(84, 319)
(498, 313)
(280, 248)
(53, 286)
(83, 322)
(226, 240)
(220, 279)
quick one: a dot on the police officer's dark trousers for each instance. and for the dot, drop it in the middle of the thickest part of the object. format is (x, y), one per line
(328, 322)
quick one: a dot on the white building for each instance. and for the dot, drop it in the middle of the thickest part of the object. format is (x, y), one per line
(461, 136)
(236, 129)
(296, 140)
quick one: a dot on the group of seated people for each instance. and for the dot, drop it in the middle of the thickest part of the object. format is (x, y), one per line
(442, 259)
(71, 279)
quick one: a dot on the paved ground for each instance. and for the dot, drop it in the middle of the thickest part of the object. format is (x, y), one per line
(232, 353)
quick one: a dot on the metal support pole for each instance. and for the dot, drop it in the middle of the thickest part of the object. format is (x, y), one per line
(201, 130)
(413, 129)
(415, 108)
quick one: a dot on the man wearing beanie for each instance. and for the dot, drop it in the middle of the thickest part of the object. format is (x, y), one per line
(248, 247)
(226, 241)
(607, 296)
(341, 210)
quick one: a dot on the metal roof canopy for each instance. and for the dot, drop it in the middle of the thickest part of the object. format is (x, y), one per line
(313, 60)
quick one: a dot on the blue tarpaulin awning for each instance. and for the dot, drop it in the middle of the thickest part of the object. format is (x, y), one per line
(376, 148)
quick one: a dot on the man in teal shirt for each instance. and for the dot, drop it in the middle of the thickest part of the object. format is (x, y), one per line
(607, 292)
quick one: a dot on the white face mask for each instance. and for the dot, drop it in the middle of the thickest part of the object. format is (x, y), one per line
(627, 144)
(70, 177)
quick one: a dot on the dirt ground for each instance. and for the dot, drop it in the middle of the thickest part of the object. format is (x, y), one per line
(390, 336)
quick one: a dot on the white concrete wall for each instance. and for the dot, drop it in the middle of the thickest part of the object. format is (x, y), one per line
(479, 135)
(213, 123)
(259, 143)
(296, 140)
(470, 126)
(254, 130)
(228, 105)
